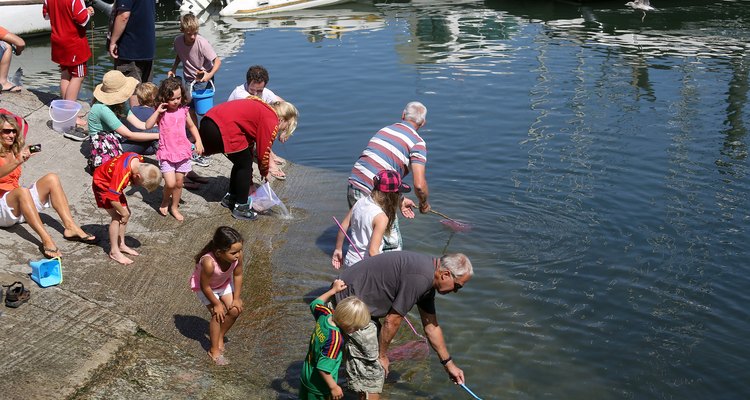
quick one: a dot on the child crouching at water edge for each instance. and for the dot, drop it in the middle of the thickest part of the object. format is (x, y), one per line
(217, 281)
(321, 366)
(110, 181)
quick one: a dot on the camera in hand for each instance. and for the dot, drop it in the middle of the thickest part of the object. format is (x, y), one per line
(35, 148)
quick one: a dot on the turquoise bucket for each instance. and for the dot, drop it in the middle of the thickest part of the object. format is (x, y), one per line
(203, 99)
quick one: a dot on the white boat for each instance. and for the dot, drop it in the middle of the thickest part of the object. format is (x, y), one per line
(258, 7)
(23, 17)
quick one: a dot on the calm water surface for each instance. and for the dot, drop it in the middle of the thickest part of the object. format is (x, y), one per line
(601, 160)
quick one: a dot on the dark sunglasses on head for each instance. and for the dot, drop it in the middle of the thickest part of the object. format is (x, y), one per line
(9, 130)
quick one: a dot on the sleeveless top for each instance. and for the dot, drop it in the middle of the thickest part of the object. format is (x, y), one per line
(363, 213)
(174, 146)
(10, 181)
(219, 279)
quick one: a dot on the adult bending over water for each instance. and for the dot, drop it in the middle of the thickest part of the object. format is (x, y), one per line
(19, 204)
(391, 284)
(233, 128)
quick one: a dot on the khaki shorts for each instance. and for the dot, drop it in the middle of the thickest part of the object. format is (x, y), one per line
(363, 370)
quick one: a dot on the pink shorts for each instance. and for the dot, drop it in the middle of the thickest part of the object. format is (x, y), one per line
(183, 166)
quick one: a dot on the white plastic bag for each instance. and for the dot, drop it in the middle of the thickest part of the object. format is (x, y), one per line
(264, 198)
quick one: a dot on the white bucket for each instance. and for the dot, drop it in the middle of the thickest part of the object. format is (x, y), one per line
(63, 114)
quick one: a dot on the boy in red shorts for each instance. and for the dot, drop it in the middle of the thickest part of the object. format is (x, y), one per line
(110, 181)
(70, 47)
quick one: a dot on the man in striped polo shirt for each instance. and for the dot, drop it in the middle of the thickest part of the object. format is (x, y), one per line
(399, 148)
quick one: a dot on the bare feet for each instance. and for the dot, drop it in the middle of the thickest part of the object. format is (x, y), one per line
(120, 258)
(128, 250)
(176, 214)
(163, 210)
(219, 359)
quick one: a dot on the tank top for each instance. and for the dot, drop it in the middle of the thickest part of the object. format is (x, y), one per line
(219, 279)
(363, 213)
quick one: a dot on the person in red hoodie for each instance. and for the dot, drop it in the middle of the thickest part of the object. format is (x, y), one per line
(234, 128)
(70, 47)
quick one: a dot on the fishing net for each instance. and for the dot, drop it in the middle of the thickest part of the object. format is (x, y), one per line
(411, 350)
(455, 225)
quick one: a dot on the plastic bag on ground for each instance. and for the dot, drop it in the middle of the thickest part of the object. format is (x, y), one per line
(264, 198)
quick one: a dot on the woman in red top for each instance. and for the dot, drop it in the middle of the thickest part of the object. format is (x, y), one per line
(19, 204)
(233, 128)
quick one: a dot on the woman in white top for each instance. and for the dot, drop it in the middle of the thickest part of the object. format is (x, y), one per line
(370, 220)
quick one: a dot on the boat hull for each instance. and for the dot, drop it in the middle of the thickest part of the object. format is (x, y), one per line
(23, 18)
(258, 7)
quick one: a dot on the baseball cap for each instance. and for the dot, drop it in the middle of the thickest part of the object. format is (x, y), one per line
(388, 181)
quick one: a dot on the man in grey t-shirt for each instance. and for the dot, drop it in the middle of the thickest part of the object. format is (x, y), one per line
(391, 284)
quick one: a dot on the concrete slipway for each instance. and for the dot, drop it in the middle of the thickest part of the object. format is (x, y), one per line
(138, 332)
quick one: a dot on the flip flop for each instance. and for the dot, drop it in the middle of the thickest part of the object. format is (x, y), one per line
(50, 253)
(10, 89)
(278, 174)
(89, 239)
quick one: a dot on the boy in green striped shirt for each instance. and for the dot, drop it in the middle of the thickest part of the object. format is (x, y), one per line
(321, 367)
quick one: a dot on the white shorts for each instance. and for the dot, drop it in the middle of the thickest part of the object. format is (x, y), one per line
(6, 212)
(229, 289)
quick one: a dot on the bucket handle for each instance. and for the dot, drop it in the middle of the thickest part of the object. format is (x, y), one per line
(209, 81)
(59, 122)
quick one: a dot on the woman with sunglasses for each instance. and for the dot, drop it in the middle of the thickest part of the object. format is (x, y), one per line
(20, 204)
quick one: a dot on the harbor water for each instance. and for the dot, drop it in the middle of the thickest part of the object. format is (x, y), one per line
(600, 159)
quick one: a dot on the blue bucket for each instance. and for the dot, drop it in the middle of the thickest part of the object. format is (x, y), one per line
(203, 99)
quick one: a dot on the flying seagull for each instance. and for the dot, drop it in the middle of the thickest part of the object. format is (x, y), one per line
(643, 5)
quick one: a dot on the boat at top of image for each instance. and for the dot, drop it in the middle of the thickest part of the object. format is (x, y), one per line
(257, 7)
(23, 17)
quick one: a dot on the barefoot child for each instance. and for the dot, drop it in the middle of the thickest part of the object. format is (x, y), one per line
(217, 281)
(321, 367)
(175, 149)
(110, 181)
(371, 219)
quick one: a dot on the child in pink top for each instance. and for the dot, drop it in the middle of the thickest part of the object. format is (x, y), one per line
(217, 281)
(174, 147)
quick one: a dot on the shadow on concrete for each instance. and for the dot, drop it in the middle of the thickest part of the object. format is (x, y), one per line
(45, 98)
(314, 294)
(284, 386)
(195, 328)
(21, 231)
(326, 242)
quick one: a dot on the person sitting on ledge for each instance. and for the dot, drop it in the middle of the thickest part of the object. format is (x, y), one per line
(19, 204)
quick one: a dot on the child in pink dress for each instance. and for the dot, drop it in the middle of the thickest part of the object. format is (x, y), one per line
(174, 147)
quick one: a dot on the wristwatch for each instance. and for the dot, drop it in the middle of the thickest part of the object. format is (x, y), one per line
(446, 361)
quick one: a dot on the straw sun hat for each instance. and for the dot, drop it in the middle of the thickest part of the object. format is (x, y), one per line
(115, 88)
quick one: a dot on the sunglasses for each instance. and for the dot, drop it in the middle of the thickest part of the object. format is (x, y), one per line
(456, 286)
(8, 131)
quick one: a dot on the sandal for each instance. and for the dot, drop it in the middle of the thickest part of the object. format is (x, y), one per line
(89, 239)
(16, 295)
